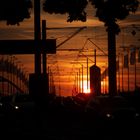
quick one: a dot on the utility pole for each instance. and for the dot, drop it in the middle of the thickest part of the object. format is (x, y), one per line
(77, 89)
(87, 73)
(79, 81)
(44, 53)
(128, 71)
(82, 79)
(37, 36)
(95, 56)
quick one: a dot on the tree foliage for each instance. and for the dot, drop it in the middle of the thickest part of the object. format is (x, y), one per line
(74, 8)
(15, 11)
(109, 11)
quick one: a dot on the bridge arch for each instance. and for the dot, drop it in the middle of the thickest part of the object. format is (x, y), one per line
(13, 78)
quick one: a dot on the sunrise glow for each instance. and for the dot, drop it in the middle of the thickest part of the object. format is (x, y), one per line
(94, 36)
(86, 89)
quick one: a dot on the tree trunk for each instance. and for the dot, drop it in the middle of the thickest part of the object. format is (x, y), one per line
(112, 61)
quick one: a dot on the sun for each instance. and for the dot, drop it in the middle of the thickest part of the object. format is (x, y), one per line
(85, 89)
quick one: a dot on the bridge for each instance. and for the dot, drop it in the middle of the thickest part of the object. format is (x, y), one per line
(13, 78)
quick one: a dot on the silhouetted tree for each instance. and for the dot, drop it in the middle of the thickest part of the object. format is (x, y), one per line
(74, 8)
(15, 11)
(108, 11)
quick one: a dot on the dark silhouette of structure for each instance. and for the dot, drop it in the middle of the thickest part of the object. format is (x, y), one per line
(13, 78)
(38, 82)
(95, 80)
(38, 86)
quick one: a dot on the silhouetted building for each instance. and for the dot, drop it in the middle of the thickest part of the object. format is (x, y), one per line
(95, 80)
(38, 86)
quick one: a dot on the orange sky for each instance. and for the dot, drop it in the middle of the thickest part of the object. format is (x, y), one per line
(63, 59)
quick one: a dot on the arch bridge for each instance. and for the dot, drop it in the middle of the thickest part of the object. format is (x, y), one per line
(13, 78)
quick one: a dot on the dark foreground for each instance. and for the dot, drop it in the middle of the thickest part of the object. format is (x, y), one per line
(69, 122)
